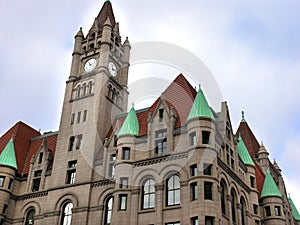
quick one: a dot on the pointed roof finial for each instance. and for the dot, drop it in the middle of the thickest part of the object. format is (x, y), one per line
(243, 117)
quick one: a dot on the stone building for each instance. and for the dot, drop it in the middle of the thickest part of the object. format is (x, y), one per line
(176, 162)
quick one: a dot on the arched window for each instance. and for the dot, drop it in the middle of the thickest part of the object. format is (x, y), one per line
(243, 211)
(67, 214)
(30, 217)
(108, 210)
(78, 89)
(223, 196)
(173, 190)
(233, 206)
(90, 87)
(84, 89)
(148, 194)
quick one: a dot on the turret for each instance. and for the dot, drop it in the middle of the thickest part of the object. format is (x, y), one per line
(76, 53)
(263, 158)
(8, 168)
(201, 123)
(271, 202)
(105, 43)
(125, 59)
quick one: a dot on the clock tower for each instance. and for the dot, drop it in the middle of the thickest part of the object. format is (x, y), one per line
(96, 92)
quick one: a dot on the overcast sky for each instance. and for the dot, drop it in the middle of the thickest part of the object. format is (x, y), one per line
(251, 47)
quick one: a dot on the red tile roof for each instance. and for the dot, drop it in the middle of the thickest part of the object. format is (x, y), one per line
(179, 95)
(253, 148)
(21, 133)
(249, 139)
(35, 146)
(27, 143)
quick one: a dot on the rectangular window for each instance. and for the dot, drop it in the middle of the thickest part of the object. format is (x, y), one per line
(111, 165)
(193, 169)
(124, 182)
(194, 221)
(161, 147)
(10, 183)
(194, 190)
(72, 164)
(268, 211)
(209, 220)
(71, 172)
(173, 223)
(72, 118)
(122, 202)
(40, 158)
(207, 168)
(208, 190)
(252, 182)
(4, 208)
(205, 137)
(79, 140)
(255, 209)
(78, 117)
(161, 133)
(84, 115)
(2, 179)
(36, 184)
(161, 114)
(126, 153)
(71, 175)
(193, 139)
(277, 211)
(71, 143)
(38, 173)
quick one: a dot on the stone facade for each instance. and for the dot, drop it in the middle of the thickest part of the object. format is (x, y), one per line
(177, 170)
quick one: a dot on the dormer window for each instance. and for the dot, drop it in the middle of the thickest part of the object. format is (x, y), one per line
(40, 158)
(161, 114)
(161, 142)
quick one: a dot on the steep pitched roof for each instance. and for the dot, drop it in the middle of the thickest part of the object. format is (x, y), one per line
(22, 134)
(35, 145)
(106, 12)
(260, 178)
(7, 156)
(200, 107)
(179, 95)
(295, 212)
(270, 188)
(248, 138)
(243, 152)
(131, 124)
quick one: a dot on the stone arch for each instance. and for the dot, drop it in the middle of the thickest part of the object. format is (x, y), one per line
(30, 205)
(72, 197)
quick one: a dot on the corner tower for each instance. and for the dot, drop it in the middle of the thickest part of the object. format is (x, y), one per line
(96, 92)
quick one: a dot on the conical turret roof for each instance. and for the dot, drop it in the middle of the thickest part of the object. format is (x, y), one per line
(270, 188)
(200, 107)
(131, 124)
(243, 152)
(8, 156)
(295, 212)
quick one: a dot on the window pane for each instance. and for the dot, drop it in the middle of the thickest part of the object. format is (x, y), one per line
(2, 181)
(67, 216)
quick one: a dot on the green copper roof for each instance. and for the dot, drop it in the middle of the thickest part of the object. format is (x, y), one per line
(243, 152)
(295, 212)
(200, 107)
(8, 156)
(131, 124)
(270, 188)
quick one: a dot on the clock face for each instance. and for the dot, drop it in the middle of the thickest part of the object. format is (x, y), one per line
(112, 69)
(90, 65)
